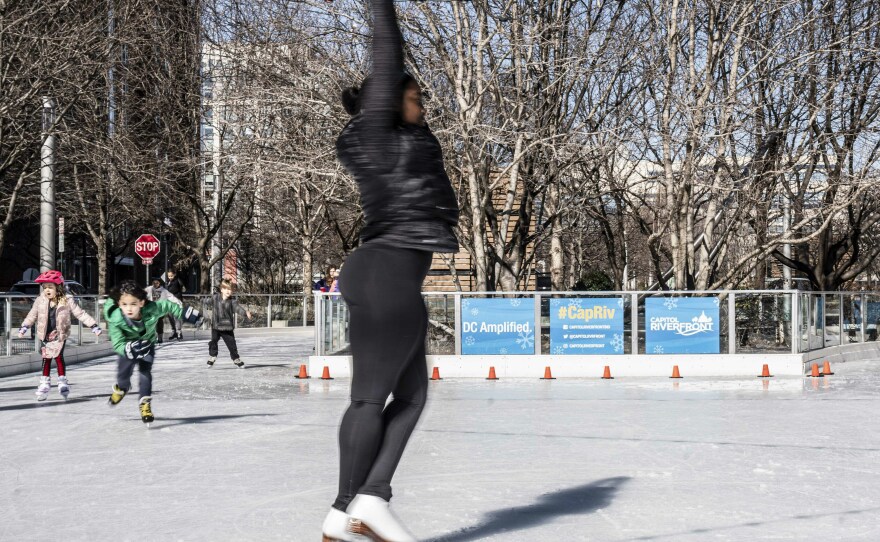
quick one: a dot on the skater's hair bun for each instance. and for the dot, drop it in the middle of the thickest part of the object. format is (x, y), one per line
(351, 100)
(128, 287)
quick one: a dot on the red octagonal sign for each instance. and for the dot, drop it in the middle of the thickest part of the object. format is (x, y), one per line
(147, 247)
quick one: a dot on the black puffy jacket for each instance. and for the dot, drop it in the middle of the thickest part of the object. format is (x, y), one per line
(406, 196)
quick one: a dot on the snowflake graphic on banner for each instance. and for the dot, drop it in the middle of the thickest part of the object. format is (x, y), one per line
(671, 303)
(465, 304)
(616, 342)
(515, 302)
(620, 302)
(470, 341)
(716, 300)
(577, 302)
(503, 351)
(558, 350)
(658, 349)
(475, 311)
(526, 340)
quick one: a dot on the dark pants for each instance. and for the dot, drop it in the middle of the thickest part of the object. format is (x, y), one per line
(388, 325)
(176, 324)
(228, 338)
(59, 363)
(124, 368)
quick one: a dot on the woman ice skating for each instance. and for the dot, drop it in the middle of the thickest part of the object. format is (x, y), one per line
(410, 211)
(51, 313)
(131, 322)
(223, 323)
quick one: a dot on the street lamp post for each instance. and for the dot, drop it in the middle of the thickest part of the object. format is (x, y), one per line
(47, 187)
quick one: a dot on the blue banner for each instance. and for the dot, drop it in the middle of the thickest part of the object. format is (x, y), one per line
(682, 325)
(581, 326)
(497, 327)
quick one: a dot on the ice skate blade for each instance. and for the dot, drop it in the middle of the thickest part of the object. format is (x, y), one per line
(358, 527)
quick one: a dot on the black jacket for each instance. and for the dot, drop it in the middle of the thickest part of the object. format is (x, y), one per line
(175, 287)
(406, 196)
(223, 313)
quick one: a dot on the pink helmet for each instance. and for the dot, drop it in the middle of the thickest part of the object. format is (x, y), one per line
(50, 276)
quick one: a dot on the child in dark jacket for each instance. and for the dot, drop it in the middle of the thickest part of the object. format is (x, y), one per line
(223, 323)
(131, 321)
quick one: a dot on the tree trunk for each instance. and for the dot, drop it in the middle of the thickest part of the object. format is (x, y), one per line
(557, 259)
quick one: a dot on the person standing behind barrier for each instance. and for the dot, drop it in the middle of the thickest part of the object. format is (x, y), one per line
(410, 211)
(334, 288)
(176, 288)
(225, 307)
(155, 292)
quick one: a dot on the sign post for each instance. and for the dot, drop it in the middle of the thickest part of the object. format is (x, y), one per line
(147, 247)
(61, 242)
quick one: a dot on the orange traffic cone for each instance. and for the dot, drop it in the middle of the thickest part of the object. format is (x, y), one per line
(303, 371)
(826, 369)
(326, 374)
(675, 373)
(815, 372)
(547, 375)
(492, 374)
(765, 372)
(435, 375)
(607, 374)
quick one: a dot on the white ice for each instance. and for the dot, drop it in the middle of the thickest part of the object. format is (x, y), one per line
(251, 455)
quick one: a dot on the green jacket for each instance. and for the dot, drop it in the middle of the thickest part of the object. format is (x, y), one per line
(121, 332)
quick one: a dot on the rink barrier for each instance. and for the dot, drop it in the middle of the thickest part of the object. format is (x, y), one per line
(790, 327)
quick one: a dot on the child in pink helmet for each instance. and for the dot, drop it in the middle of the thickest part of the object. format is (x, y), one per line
(51, 313)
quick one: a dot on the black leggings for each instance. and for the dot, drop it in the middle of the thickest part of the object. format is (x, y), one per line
(382, 287)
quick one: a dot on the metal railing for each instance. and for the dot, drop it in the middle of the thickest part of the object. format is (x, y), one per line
(14, 309)
(750, 321)
(267, 310)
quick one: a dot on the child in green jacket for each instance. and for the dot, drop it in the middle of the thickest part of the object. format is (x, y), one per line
(131, 321)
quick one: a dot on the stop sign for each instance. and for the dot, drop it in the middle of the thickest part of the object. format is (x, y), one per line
(147, 247)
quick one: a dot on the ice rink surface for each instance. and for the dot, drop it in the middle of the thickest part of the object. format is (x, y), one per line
(251, 455)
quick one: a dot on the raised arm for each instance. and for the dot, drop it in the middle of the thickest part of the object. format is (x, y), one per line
(383, 95)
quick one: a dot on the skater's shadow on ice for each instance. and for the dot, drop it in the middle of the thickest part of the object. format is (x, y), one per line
(44, 404)
(20, 388)
(204, 419)
(575, 500)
